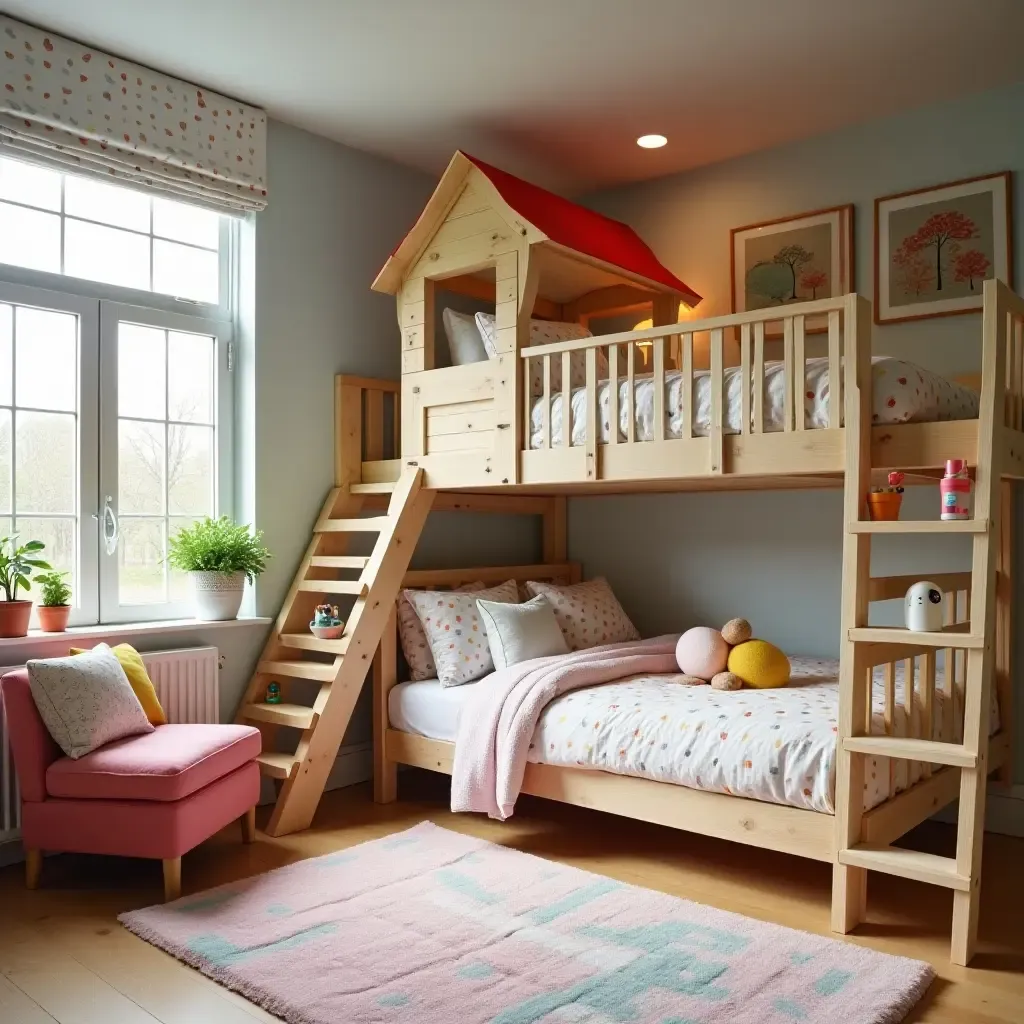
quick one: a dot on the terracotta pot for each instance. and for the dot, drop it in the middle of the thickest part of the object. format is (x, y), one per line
(53, 618)
(14, 616)
(884, 505)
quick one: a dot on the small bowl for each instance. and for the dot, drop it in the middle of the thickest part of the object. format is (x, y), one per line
(327, 632)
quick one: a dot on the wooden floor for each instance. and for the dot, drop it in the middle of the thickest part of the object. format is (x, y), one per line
(64, 958)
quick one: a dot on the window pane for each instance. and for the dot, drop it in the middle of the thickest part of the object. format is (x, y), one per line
(186, 223)
(106, 254)
(140, 467)
(122, 207)
(141, 365)
(190, 470)
(6, 366)
(27, 183)
(29, 238)
(46, 358)
(140, 557)
(5, 462)
(184, 271)
(59, 537)
(190, 377)
(44, 452)
(178, 583)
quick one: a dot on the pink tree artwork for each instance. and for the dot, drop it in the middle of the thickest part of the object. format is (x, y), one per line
(812, 280)
(970, 265)
(915, 274)
(938, 231)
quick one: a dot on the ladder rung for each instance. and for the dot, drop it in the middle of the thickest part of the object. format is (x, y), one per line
(892, 860)
(340, 561)
(308, 642)
(369, 524)
(920, 526)
(955, 636)
(929, 751)
(276, 766)
(355, 587)
(298, 670)
(381, 487)
(298, 716)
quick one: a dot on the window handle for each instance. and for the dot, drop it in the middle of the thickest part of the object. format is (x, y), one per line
(110, 527)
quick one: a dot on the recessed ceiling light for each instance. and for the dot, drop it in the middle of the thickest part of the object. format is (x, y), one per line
(651, 141)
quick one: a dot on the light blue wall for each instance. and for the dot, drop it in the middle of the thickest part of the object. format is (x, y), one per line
(774, 557)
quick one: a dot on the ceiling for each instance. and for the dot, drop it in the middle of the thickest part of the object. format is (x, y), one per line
(558, 90)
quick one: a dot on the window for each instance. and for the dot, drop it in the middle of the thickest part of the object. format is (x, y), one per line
(115, 416)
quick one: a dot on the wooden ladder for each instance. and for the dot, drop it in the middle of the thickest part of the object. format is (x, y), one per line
(864, 647)
(293, 654)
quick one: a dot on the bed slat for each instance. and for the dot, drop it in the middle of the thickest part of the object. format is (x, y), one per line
(686, 388)
(759, 378)
(835, 372)
(631, 391)
(787, 373)
(613, 394)
(546, 442)
(747, 385)
(799, 372)
(659, 389)
(566, 400)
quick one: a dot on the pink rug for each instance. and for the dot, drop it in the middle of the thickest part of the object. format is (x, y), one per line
(429, 927)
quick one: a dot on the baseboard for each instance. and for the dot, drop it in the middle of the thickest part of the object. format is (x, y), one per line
(1004, 811)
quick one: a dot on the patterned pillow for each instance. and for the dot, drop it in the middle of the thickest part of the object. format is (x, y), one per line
(411, 635)
(588, 614)
(451, 623)
(85, 700)
(546, 332)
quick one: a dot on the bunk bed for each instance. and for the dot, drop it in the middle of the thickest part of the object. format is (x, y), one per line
(687, 404)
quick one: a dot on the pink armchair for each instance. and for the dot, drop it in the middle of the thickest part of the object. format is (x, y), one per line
(156, 795)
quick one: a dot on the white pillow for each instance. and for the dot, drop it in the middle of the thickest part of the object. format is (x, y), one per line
(521, 632)
(464, 341)
(451, 623)
(85, 700)
(410, 632)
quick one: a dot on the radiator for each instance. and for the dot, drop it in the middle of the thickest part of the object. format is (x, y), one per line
(186, 682)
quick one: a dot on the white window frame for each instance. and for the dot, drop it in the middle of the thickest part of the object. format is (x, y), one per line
(111, 315)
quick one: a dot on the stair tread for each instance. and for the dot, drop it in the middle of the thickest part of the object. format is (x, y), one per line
(368, 524)
(953, 636)
(932, 751)
(894, 860)
(276, 766)
(920, 526)
(354, 587)
(308, 642)
(298, 669)
(340, 561)
(299, 716)
(380, 487)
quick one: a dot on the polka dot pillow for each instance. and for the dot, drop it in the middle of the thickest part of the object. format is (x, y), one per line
(453, 628)
(546, 332)
(414, 640)
(588, 614)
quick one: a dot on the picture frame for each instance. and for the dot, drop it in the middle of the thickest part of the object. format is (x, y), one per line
(935, 246)
(792, 259)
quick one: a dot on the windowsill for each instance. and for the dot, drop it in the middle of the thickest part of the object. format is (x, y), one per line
(36, 638)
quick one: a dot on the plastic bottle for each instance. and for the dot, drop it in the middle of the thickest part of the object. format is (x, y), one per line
(955, 487)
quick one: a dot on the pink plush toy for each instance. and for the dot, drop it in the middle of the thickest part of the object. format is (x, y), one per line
(702, 654)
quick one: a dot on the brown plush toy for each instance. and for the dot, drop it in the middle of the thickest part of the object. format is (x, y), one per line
(702, 653)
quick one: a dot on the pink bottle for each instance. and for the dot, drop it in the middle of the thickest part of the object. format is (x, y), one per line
(956, 490)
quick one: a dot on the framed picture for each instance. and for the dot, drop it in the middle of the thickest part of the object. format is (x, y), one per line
(935, 246)
(793, 259)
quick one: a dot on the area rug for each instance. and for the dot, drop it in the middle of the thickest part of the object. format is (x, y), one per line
(431, 927)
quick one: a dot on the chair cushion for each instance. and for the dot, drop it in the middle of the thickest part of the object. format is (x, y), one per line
(166, 764)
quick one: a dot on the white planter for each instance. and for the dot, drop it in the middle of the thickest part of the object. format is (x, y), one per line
(218, 595)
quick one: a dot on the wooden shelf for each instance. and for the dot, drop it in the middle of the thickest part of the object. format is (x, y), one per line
(929, 751)
(919, 526)
(316, 670)
(954, 636)
(308, 642)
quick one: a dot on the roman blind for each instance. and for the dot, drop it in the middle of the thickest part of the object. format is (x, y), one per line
(82, 110)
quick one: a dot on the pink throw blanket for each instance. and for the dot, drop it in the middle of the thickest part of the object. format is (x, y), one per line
(497, 724)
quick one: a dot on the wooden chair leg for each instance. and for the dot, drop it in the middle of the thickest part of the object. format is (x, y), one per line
(248, 823)
(172, 879)
(33, 868)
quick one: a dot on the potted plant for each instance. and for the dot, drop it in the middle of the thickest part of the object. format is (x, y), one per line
(55, 606)
(220, 556)
(17, 563)
(884, 502)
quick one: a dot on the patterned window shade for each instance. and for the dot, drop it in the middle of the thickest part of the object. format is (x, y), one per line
(82, 110)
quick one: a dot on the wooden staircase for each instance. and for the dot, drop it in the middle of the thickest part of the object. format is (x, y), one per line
(866, 647)
(293, 655)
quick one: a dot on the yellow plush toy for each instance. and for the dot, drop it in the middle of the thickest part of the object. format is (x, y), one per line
(759, 664)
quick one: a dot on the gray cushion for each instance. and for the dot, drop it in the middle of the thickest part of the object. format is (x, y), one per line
(521, 632)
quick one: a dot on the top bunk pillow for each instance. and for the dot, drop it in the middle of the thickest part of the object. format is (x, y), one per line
(451, 623)
(588, 614)
(410, 632)
(464, 341)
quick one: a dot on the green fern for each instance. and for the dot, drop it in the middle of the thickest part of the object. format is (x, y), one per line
(218, 545)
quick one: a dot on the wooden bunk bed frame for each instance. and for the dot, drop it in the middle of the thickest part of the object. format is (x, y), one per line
(456, 438)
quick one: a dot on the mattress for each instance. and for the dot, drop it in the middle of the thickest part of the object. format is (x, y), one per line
(902, 393)
(773, 745)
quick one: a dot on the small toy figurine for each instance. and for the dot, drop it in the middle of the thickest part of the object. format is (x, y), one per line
(326, 624)
(884, 502)
(274, 693)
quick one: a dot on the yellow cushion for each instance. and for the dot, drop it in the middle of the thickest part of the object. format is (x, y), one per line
(759, 664)
(135, 669)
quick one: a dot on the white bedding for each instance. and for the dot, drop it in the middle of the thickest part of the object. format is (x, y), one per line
(902, 393)
(773, 745)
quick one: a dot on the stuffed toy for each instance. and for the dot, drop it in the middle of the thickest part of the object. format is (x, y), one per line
(729, 658)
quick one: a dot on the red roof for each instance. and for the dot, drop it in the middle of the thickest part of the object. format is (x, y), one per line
(581, 229)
